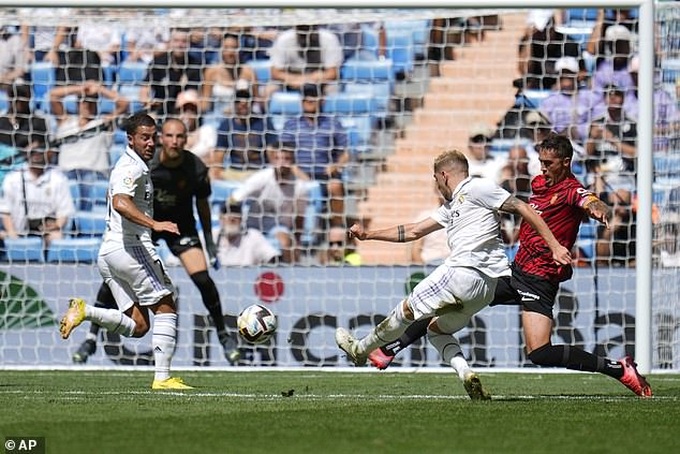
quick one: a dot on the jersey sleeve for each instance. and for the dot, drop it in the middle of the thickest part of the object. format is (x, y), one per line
(124, 179)
(488, 194)
(579, 196)
(203, 188)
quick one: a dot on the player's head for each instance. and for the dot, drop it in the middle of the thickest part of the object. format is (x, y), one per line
(555, 153)
(450, 168)
(173, 138)
(141, 134)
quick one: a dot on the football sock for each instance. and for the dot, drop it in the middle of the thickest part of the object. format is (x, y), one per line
(104, 300)
(111, 319)
(210, 297)
(163, 341)
(414, 332)
(450, 351)
(388, 330)
(576, 359)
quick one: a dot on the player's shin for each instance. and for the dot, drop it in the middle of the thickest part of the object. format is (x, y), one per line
(113, 320)
(448, 347)
(388, 330)
(163, 340)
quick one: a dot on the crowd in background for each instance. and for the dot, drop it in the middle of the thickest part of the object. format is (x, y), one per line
(584, 87)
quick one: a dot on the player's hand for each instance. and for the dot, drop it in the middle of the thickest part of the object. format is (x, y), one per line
(165, 226)
(357, 231)
(561, 255)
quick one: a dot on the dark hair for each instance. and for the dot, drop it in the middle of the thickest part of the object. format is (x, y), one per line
(231, 208)
(561, 145)
(137, 120)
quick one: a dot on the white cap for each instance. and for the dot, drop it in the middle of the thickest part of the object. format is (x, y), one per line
(539, 18)
(566, 64)
(187, 97)
(634, 64)
(481, 129)
(617, 33)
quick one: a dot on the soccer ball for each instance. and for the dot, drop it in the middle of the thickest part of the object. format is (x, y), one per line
(256, 324)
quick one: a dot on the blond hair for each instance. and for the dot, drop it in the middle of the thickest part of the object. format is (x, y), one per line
(450, 160)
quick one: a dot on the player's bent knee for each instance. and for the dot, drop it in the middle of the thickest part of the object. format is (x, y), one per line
(545, 355)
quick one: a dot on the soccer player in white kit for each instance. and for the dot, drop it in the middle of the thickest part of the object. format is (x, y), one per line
(128, 261)
(465, 283)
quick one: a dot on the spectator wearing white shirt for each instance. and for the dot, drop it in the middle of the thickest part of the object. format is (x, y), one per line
(36, 198)
(238, 245)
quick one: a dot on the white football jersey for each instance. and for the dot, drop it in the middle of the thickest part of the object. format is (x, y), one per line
(129, 176)
(472, 224)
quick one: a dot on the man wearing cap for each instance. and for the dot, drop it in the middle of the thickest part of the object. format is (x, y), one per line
(242, 141)
(569, 108)
(36, 198)
(201, 137)
(321, 149)
(480, 162)
(612, 67)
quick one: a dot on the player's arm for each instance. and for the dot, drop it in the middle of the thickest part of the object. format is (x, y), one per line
(597, 209)
(398, 233)
(514, 205)
(203, 210)
(125, 206)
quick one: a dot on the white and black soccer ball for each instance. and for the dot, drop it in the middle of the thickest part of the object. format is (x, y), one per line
(256, 324)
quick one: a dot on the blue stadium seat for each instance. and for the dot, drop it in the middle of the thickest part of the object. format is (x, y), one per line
(419, 30)
(667, 168)
(670, 70)
(132, 73)
(43, 76)
(536, 97)
(4, 102)
(313, 214)
(89, 223)
(587, 238)
(22, 250)
(401, 50)
(115, 152)
(74, 250)
(221, 191)
(284, 105)
(348, 103)
(355, 70)
(380, 91)
(262, 69)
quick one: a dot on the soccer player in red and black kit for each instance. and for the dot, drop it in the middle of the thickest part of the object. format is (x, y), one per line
(561, 201)
(180, 178)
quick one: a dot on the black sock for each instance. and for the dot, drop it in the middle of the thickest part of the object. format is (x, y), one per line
(575, 358)
(210, 297)
(414, 332)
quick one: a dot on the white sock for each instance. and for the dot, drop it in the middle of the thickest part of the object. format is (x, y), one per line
(448, 347)
(113, 320)
(388, 330)
(163, 342)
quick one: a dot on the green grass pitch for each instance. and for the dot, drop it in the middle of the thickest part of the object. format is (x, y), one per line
(323, 411)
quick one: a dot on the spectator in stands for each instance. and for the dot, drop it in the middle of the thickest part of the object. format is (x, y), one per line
(36, 198)
(540, 48)
(598, 44)
(570, 109)
(143, 44)
(666, 116)
(242, 141)
(13, 56)
(222, 79)
(305, 54)
(204, 44)
(201, 136)
(45, 41)
(536, 128)
(321, 150)
(277, 198)
(342, 250)
(238, 245)
(102, 37)
(20, 126)
(611, 67)
(480, 161)
(84, 138)
(612, 153)
(76, 63)
(254, 42)
(350, 35)
(169, 74)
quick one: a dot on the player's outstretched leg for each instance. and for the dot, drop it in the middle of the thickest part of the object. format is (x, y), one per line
(382, 357)
(105, 300)
(474, 388)
(632, 379)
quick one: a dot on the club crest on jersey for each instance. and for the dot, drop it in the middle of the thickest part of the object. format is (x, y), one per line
(461, 198)
(553, 199)
(128, 181)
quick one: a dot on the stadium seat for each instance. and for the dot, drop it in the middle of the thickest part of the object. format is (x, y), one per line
(115, 152)
(284, 105)
(587, 238)
(355, 70)
(4, 103)
(380, 91)
(21, 250)
(74, 250)
(221, 191)
(401, 50)
(419, 30)
(262, 69)
(536, 97)
(89, 223)
(43, 76)
(132, 72)
(348, 103)
(313, 213)
(667, 168)
(670, 70)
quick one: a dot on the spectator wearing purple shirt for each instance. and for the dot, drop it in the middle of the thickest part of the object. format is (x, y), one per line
(570, 109)
(612, 68)
(321, 149)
